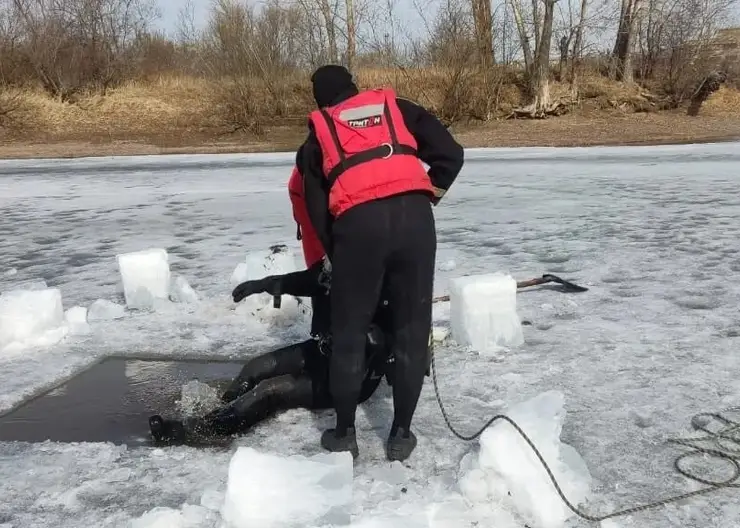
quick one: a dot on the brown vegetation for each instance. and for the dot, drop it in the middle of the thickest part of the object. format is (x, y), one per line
(92, 71)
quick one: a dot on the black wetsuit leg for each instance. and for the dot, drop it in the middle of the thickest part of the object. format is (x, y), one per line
(265, 400)
(394, 241)
(287, 360)
(410, 283)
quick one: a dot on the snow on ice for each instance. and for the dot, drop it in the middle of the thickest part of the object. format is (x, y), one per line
(655, 340)
(483, 312)
(274, 491)
(146, 277)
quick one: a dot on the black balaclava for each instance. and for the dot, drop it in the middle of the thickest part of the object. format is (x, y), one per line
(330, 82)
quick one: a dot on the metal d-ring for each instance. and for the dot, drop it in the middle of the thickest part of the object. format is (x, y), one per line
(390, 150)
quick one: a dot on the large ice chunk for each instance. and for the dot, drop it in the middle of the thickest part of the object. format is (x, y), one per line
(483, 312)
(31, 317)
(506, 481)
(275, 491)
(146, 277)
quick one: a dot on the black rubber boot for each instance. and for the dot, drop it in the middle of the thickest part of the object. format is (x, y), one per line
(401, 444)
(346, 442)
(166, 431)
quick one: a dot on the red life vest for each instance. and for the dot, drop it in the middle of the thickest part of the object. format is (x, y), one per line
(313, 251)
(368, 153)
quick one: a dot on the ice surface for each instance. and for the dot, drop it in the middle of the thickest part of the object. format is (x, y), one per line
(181, 291)
(652, 231)
(31, 318)
(274, 491)
(189, 516)
(506, 474)
(239, 275)
(76, 318)
(146, 277)
(483, 312)
(31, 284)
(105, 310)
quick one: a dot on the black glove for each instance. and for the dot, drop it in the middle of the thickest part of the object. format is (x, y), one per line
(271, 285)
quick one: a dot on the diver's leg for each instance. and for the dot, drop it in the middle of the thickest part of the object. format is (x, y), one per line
(286, 360)
(268, 397)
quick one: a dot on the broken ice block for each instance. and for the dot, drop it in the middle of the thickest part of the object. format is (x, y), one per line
(146, 277)
(181, 291)
(483, 312)
(506, 476)
(29, 314)
(274, 261)
(76, 318)
(105, 310)
(275, 491)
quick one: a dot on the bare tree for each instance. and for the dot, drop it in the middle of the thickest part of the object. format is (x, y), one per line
(483, 23)
(351, 37)
(78, 44)
(622, 52)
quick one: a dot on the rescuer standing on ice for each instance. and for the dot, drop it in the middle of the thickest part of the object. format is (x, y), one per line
(370, 199)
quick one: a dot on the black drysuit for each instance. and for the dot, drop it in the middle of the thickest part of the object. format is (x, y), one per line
(292, 377)
(383, 244)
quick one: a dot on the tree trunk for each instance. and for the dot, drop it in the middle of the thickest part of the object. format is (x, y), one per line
(623, 45)
(483, 33)
(523, 36)
(539, 81)
(331, 31)
(351, 46)
(577, 47)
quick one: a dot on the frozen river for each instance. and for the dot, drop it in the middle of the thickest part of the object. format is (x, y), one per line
(653, 232)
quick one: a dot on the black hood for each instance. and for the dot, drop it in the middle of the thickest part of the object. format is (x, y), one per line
(332, 84)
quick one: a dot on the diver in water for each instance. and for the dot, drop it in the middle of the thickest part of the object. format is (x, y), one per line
(296, 376)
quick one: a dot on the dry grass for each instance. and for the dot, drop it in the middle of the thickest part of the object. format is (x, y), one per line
(178, 113)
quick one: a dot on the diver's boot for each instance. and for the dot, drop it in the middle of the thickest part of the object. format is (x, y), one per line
(337, 442)
(401, 443)
(166, 431)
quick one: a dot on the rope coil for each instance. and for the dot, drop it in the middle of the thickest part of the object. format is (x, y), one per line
(728, 435)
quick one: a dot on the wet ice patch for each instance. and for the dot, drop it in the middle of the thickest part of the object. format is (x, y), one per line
(30, 318)
(145, 276)
(273, 491)
(505, 480)
(483, 312)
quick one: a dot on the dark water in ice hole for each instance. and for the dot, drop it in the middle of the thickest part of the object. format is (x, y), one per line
(112, 401)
